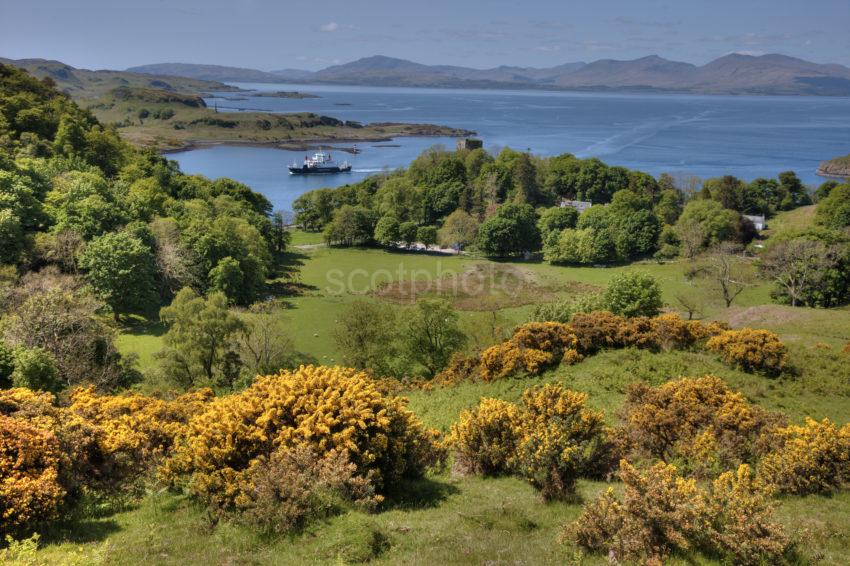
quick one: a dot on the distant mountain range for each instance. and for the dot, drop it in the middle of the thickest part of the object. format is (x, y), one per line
(733, 74)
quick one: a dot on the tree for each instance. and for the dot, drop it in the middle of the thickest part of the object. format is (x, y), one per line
(65, 322)
(280, 236)
(793, 191)
(120, 269)
(407, 233)
(459, 230)
(387, 231)
(669, 206)
(524, 178)
(265, 346)
(834, 210)
(727, 190)
(511, 231)
(365, 336)
(555, 219)
(227, 278)
(432, 334)
(201, 332)
(795, 265)
(426, 235)
(35, 368)
(706, 223)
(11, 237)
(726, 271)
(351, 225)
(7, 365)
(633, 293)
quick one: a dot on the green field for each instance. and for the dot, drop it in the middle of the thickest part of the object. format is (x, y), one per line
(450, 519)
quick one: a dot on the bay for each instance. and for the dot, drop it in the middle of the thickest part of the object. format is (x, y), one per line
(705, 136)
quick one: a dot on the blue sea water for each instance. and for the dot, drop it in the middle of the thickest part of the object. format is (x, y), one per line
(704, 136)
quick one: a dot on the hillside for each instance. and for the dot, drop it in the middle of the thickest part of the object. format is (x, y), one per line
(732, 74)
(173, 121)
(838, 167)
(208, 72)
(84, 84)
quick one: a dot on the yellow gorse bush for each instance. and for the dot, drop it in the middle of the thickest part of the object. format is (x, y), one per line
(550, 439)
(319, 407)
(661, 513)
(537, 346)
(812, 458)
(532, 348)
(140, 426)
(485, 437)
(697, 422)
(29, 475)
(750, 350)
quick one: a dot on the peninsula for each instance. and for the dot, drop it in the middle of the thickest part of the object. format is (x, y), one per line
(169, 112)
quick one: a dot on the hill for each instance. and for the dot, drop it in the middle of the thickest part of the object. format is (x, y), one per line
(733, 74)
(84, 84)
(208, 72)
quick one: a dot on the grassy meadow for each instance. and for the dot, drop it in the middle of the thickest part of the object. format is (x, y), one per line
(452, 519)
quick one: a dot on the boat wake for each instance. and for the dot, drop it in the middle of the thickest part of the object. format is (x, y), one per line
(619, 142)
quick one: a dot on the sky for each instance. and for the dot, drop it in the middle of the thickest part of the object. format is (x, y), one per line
(277, 34)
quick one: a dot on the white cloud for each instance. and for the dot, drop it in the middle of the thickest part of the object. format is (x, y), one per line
(329, 27)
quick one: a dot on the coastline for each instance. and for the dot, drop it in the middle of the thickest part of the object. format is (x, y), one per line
(310, 144)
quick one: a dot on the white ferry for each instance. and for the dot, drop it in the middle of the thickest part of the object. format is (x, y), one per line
(321, 163)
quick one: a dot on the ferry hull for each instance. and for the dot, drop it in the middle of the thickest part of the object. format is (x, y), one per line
(305, 170)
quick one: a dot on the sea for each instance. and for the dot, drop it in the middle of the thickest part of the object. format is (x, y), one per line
(685, 135)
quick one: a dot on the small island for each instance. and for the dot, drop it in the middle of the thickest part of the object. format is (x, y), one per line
(285, 94)
(838, 168)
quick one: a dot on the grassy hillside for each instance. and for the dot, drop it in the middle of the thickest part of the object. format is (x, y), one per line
(83, 84)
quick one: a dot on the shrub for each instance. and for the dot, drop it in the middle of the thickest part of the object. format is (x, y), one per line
(750, 350)
(81, 460)
(658, 514)
(532, 348)
(597, 330)
(633, 293)
(561, 438)
(295, 487)
(319, 407)
(741, 520)
(29, 475)
(35, 368)
(698, 422)
(661, 513)
(485, 438)
(135, 429)
(813, 458)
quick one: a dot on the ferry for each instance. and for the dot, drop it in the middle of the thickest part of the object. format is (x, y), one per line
(321, 163)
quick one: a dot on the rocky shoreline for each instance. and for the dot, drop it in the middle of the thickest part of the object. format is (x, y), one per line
(837, 168)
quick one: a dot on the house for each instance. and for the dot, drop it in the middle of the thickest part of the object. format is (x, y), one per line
(757, 220)
(469, 143)
(580, 205)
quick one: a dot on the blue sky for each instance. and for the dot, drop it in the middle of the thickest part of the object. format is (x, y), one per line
(273, 34)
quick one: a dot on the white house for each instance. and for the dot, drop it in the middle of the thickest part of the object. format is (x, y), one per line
(580, 205)
(757, 220)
